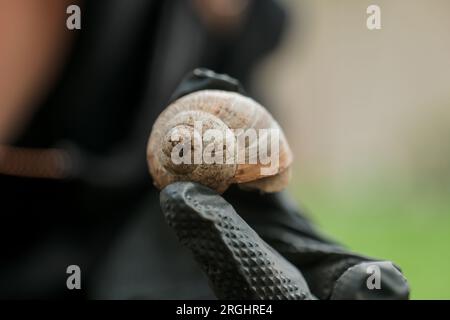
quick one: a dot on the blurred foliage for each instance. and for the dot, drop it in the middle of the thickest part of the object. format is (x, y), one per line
(387, 219)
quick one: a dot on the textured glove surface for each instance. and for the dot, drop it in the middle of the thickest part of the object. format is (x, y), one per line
(239, 264)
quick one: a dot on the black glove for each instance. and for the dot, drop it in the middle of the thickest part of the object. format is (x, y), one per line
(284, 259)
(244, 264)
(239, 264)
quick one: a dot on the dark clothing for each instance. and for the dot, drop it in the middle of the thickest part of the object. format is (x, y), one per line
(127, 60)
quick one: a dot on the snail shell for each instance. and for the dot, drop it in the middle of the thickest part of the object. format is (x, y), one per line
(225, 112)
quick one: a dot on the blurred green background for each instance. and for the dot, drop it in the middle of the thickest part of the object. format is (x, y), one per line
(367, 114)
(388, 220)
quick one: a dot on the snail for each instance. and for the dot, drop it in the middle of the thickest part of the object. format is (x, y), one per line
(218, 138)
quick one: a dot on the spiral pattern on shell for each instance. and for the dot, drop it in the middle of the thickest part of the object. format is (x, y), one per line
(226, 112)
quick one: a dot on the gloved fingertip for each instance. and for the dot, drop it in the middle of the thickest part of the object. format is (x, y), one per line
(191, 197)
(375, 280)
(239, 264)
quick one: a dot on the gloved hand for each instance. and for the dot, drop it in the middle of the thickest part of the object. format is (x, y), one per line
(282, 255)
(285, 259)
